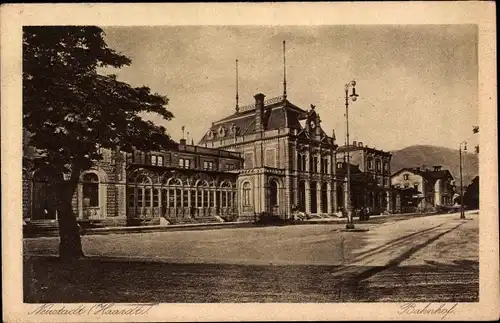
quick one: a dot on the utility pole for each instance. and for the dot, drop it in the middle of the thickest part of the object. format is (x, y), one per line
(462, 213)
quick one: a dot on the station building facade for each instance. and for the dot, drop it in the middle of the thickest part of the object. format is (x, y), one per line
(183, 184)
(271, 156)
(289, 160)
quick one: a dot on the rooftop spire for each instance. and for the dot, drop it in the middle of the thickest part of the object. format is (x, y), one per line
(284, 72)
(237, 96)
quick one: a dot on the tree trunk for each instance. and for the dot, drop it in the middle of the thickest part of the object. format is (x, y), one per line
(70, 245)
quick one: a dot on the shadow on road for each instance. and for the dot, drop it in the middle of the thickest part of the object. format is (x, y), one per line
(434, 281)
(365, 254)
(404, 256)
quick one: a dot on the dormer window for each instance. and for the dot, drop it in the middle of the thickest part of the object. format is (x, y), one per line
(210, 134)
(406, 176)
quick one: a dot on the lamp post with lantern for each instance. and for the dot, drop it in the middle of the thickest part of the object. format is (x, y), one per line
(353, 96)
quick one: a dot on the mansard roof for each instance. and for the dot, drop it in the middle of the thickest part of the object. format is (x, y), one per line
(278, 113)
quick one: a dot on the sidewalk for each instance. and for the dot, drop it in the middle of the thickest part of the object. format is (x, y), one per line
(208, 226)
(149, 228)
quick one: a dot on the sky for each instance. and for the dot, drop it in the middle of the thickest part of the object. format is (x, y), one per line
(417, 84)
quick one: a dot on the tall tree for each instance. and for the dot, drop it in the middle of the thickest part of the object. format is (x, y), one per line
(71, 111)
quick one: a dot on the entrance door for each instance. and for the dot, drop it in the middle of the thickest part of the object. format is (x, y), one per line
(302, 196)
(273, 197)
(324, 198)
(314, 198)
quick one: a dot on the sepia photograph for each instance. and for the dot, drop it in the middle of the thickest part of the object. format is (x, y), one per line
(252, 163)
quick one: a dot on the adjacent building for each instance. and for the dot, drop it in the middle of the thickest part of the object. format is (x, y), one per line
(370, 177)
(424, 189)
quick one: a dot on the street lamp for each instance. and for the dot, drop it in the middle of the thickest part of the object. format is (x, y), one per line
(462, 213)
(353, 96)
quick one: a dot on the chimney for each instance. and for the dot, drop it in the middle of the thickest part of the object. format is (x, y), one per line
(182, 144)
(360, 144)
(437, 168)
(259, 111)
(318, 128)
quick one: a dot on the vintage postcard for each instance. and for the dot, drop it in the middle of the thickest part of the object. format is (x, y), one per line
(249, 161)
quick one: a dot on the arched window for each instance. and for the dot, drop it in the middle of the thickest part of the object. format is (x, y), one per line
(185, 198)
(143, 191)
(225, 191)
(172, 195)
(246, 194)
(90, 185)
(206, 194)
(211, 193)
(224, 199)
(193, 197)
(370, 163)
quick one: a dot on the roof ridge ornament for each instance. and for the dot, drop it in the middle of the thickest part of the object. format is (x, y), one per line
(237, 90)
(284, 72)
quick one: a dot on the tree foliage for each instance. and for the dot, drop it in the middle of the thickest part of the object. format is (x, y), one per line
(471, 195)
(71, 112)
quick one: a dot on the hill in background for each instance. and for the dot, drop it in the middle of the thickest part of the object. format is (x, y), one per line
(428, 156)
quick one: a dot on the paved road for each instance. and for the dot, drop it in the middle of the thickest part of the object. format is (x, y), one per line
(428, 258)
